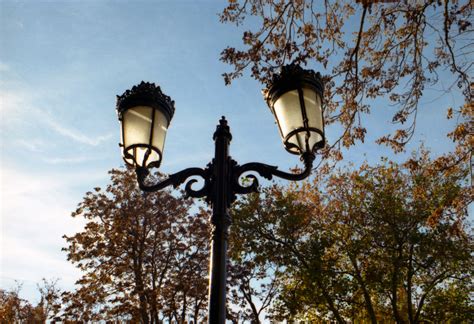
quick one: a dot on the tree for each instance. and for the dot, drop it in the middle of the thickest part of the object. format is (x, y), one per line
(381, 243)
(371, 49)
(143, 256)
(49, 305)
(14, 309)
(451, 304)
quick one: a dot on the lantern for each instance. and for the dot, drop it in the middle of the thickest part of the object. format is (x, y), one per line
(145, 114)
(295, 99)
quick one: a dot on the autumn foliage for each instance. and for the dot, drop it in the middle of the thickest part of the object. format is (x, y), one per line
(14, 309)
(144, 257)
(365, 50)
(383, 243)
(377, 244)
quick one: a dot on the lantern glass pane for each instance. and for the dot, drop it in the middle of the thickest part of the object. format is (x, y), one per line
(312, 102)
(159, 130)
(288, 112)
(137, 126)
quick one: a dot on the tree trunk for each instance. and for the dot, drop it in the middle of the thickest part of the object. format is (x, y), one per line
(183, 310)
(137, 271)
(196, 310)
(409, 286)
(333, 308)
(394, 301)
(247, 295)
(367, 299)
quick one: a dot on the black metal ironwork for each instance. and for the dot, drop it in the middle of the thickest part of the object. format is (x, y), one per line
(221, 185)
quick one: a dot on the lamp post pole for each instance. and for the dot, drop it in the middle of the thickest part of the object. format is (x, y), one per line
(145, 112)
(220, 220)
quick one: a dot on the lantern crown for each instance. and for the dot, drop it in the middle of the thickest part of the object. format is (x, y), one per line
(292, 77)
(145, 113)
(146, 94)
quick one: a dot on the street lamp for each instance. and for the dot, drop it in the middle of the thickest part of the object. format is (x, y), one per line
(294, 97)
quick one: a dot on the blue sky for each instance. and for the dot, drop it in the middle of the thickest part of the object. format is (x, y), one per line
(61, 65)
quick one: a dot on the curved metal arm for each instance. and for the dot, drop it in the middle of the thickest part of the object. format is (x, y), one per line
(177, 179)
(268, 171)
(264, 170)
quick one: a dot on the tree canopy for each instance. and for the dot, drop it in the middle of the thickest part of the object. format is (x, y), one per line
(14, 309)
(389, 242)
(144, 257)
(381, 243)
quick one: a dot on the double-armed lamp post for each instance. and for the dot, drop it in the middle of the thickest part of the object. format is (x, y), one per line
(295, 99)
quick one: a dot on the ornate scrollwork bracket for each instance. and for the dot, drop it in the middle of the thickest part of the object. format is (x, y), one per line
(268, 172)
(177, 179)
(237, 176)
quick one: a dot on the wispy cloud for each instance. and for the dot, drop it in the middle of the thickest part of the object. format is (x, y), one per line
(70, 160)
(34, 145)
(74, 134)
(11, 101)
(35, 209)
(4, 67)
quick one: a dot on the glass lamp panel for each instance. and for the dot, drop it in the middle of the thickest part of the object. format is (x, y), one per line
(312, 102)
(139, 153)
(159, 131)
(288, 112)
(137, 126)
